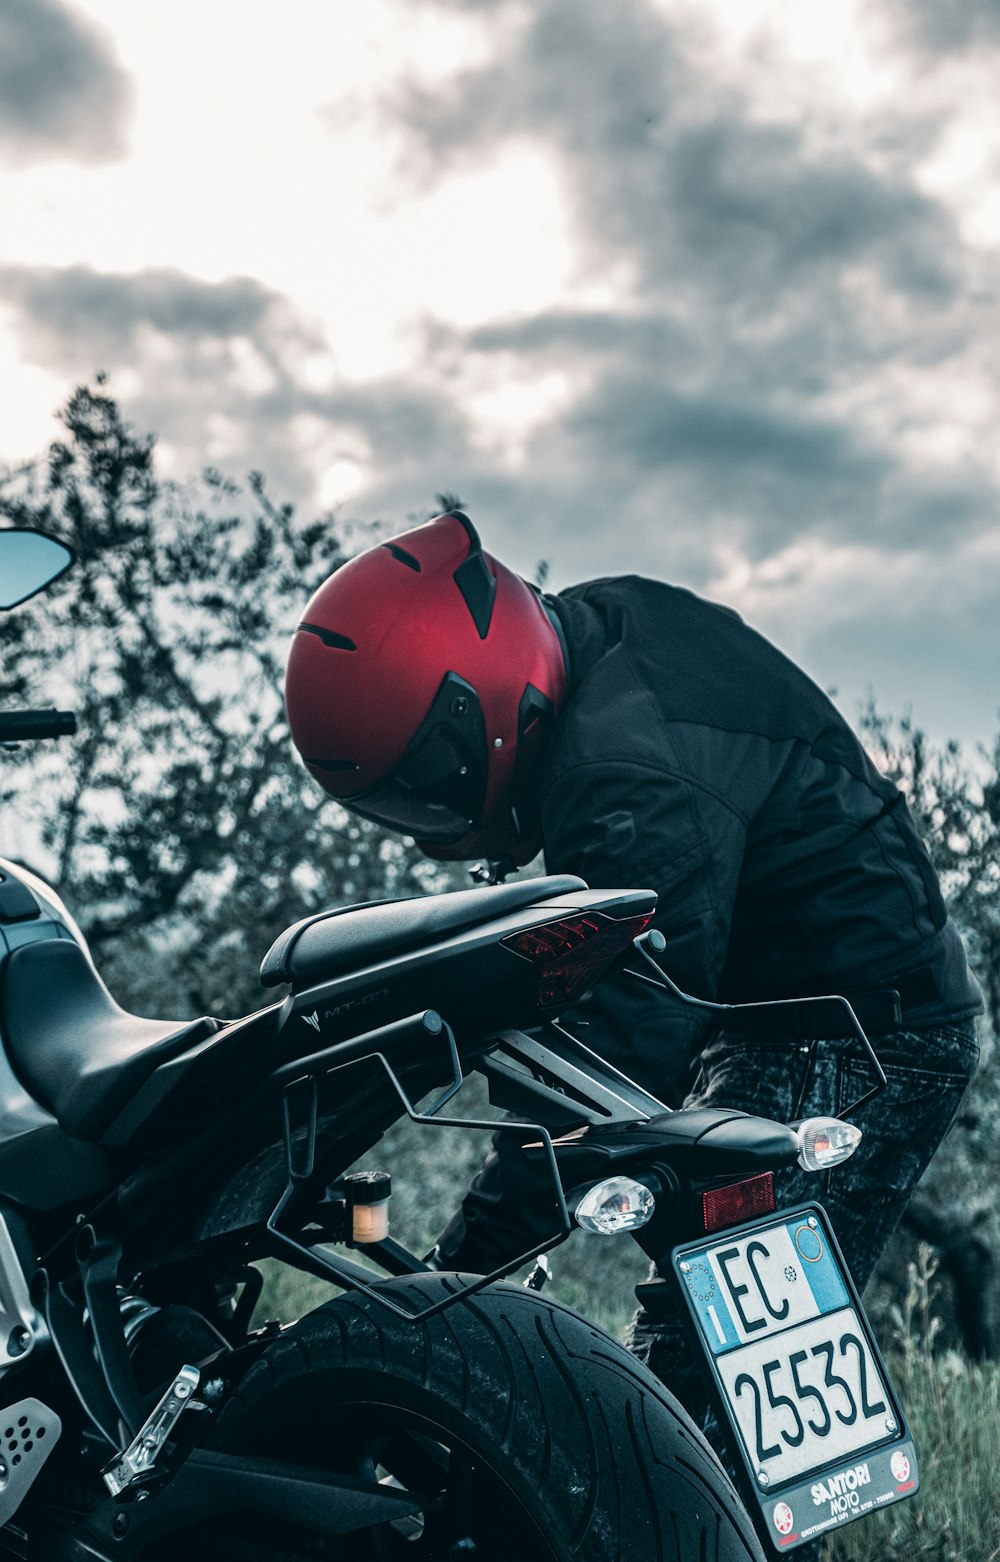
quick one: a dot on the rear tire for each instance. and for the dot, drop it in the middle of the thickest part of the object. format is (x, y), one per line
(533, 1435)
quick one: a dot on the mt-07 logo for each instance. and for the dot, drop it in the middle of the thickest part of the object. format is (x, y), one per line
(347, 1007)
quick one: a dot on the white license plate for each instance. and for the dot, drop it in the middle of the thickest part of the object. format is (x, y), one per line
(808, 1396)
(793, 1357)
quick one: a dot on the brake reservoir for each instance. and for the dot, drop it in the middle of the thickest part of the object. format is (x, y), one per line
(366, 1195)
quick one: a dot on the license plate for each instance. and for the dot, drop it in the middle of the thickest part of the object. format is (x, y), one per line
(804, 1387)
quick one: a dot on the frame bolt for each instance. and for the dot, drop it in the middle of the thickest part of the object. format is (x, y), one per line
(685, 1267)
(120, 1526)
(763, 1479)
(890, 1424)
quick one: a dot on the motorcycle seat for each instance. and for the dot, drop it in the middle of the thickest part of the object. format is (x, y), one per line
(334, 941)
(75, 1050)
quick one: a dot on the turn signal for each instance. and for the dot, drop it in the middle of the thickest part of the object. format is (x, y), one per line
(826, 1141)
(616, 1204)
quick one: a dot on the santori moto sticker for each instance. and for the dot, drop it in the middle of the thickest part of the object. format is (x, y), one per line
(837, 1489)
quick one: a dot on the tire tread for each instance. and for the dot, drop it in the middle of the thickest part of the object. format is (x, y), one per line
(587, 1440)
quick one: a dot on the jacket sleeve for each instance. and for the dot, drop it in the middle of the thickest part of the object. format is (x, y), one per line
(630, 826)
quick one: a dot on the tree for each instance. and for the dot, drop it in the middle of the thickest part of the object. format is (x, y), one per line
(180, 828)
(956, 806)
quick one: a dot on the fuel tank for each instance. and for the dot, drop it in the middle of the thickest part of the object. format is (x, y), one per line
(30, 910)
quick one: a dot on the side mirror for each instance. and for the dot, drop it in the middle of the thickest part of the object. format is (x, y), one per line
(29, 561)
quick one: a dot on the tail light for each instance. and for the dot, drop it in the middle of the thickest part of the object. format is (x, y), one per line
(571, 952)
(721, 1207)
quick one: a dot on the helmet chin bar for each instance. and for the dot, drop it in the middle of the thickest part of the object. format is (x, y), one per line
(503, 839)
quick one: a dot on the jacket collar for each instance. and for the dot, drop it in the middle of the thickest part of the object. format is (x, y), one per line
(584, 632)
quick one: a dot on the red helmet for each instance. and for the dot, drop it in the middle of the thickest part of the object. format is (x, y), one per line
(421, 686)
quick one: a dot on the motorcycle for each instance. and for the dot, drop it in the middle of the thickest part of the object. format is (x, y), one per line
(147, 1165)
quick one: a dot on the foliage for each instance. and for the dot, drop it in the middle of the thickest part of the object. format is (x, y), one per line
(180, 827)
(956, 806)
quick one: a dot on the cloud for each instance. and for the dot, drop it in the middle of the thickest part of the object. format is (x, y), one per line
(199, 363)
(765, 214)
(674, 168)
(937, 28)
(882, 620)
(77, 310)
(783, 286)
(224, 373)
(62, 92)
(770, 341)
(783, 339)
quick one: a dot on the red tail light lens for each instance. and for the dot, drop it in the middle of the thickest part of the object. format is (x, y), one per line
(572, 951)
(721, 1207)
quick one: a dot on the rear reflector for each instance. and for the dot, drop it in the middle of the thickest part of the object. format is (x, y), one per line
(570, 953)
(721, 1207)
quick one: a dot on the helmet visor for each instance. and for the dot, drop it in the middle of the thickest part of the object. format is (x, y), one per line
(437, 791)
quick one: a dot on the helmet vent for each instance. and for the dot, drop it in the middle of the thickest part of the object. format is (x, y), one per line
(402, 555)
(474, 580)
(334, 641)
(331, 766)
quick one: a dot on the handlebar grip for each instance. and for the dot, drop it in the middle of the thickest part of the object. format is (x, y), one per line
(23, 726)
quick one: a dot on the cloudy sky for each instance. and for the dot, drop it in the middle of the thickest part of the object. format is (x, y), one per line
(706, 289)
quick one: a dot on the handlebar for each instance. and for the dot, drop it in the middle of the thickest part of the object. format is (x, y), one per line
(24, 726)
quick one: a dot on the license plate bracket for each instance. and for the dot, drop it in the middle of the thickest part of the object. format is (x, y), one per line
(814, 1417)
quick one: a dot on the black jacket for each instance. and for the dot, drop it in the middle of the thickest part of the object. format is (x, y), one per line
(695, 759)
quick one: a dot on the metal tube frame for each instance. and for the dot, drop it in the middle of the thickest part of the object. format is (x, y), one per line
(300, 1160)
(653, 940)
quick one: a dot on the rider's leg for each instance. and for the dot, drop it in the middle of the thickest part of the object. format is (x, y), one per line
(509, 1209)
